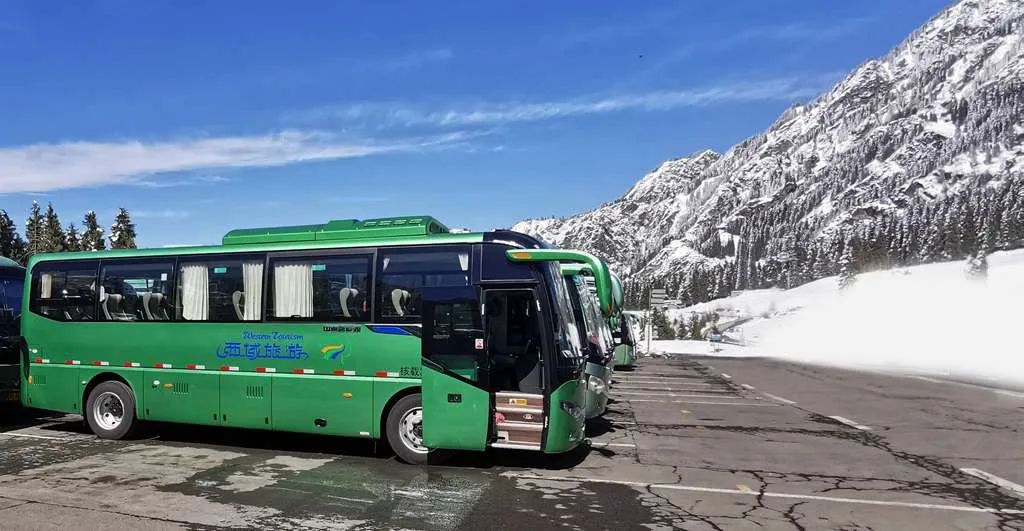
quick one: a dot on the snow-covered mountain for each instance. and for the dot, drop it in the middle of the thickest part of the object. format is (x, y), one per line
(916, 156)
(611, 230)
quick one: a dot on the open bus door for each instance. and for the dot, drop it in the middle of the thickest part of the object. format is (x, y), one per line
(456, 402)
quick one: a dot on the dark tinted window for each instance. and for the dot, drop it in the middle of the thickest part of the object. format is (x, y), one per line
(404, 273)
(497, 266)
(136, 291)
(222, 289)
(452, 333)
(64, 291)
(10, 298)
(321, 288)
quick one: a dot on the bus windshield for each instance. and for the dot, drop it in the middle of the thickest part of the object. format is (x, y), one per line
(566, 327)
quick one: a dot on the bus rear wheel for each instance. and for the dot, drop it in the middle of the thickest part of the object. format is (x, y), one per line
(404, 429)
(110, 410)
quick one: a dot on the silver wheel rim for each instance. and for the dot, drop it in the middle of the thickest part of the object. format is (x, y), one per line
(108, 411)
(410, 428)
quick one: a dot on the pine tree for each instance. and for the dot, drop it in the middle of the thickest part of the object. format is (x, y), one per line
(662, 328)
(53, 231)
(122, 232)
(72, 241)
(11, 244)
(977, 266)
(92, 237)
(34, 232)
(847, 265)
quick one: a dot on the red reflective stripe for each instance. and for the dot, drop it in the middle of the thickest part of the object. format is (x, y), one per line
(297, 371)
(381, 374)
(39, 360)
(261, 369)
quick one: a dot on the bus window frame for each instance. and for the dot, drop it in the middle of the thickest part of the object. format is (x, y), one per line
(33, 283)
(210, 257)
(370, 252)
(378, 266)
(172, 280)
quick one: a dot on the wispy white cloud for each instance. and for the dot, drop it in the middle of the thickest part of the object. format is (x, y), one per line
(479, 114)
(795, 31)
(77, 164)
(188, 180)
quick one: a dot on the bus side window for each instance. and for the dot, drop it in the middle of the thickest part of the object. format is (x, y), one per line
(64, 291)
(136, 291)
(402, 274)
(220, 289)
(321, 288)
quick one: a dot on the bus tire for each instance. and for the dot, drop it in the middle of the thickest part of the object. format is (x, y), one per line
(110, 410)
(404, 429)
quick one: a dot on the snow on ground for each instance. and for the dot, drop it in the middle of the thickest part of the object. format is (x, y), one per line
(927, 319)
(701, 348)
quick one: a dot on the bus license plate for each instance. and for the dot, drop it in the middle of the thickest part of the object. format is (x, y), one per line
(12, 396)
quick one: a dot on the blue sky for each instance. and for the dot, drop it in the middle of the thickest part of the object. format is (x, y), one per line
(200, 117)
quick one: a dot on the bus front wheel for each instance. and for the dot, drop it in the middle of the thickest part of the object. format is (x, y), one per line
(404, 429)
(110, 410)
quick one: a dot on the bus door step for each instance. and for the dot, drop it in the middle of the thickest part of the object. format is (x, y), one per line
(519, 420)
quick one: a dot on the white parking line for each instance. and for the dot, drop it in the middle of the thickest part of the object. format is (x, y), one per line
(653, 382)
(726, 376)
(995, 480)
(1004, 392)
(599, 444)
(685, 390)
(633, 393)
(747, 386)
(766, 494)
(778, 398)
(708, 402)
(850, 423)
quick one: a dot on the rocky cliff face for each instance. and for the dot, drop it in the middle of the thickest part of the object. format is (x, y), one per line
(916, 156)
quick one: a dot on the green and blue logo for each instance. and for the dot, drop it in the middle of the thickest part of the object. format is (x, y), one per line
(332, 352)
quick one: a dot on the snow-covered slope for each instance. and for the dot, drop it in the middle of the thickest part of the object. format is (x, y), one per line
(916, 156)
(925, 319)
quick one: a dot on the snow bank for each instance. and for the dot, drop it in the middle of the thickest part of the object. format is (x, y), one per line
(701, 348)
(924, 319)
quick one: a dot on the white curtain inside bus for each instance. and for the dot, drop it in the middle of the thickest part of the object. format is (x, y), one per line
(195, 295)
(293, 290)
(252, 280)
(45, 286)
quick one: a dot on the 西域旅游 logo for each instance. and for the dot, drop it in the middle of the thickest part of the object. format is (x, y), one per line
(331, 352)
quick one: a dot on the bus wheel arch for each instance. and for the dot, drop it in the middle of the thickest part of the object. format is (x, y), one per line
(110, 407)
(403, 408)
(382, 424)
(105, 377)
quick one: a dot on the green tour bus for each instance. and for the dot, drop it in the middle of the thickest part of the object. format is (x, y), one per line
(630, 328)
(597, 340)
(12, 278)
(626, 340)
(392, 329)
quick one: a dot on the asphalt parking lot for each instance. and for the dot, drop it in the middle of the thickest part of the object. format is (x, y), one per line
(689, 442)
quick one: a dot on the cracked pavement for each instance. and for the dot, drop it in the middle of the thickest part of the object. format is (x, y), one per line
(687, 443)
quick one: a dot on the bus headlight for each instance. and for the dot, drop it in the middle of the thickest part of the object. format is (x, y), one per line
(573, 410)
(596, 385)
